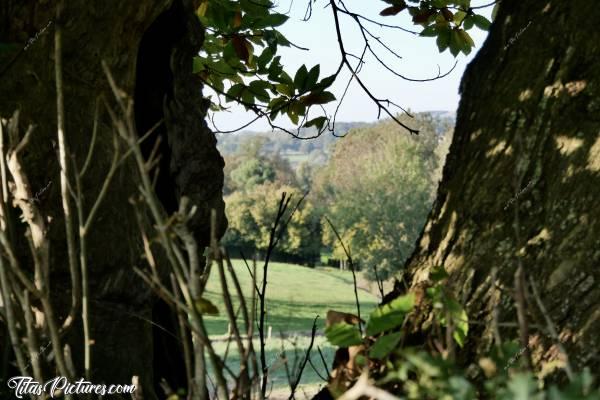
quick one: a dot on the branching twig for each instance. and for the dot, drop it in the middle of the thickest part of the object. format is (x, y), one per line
(349, 256)
(551, 328)
(298, 376)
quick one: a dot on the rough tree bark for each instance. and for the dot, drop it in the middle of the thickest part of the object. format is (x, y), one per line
(157, 69)
(526, 140)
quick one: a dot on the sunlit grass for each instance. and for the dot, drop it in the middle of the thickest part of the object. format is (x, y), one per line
(295, 296)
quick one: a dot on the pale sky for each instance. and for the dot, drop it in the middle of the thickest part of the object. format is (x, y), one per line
(420, 59)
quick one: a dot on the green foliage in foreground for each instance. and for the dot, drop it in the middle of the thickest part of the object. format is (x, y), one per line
(412, 373)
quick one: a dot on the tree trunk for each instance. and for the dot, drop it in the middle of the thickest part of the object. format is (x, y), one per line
(148, 46)
(522, 181)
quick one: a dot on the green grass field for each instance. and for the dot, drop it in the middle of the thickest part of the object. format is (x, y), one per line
(295, 296)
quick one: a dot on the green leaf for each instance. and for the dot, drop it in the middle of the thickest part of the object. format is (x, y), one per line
(438, 273)
(456, 43)
(276, 106)
(343, 335)
(327, 81)
(443, 40)
(275, 69)
(298, 108)
(292, 115)
(481, 22)
(235, 91)
(393, 10)
(385, 345)
(468, 23)
(461, 388)
(461, 327)
(312, 78)
(272, 20)
(390, 315)
(259, 90)
(217, 82)
(459, 17)
(318, 122)
(317, 98)
(522, 387)
(204, 306)
(495, 11)
(248, 97)
(300, 78)
(264, 58)
(285, 89)
(197, 65)
(467, 41)
(430, 31)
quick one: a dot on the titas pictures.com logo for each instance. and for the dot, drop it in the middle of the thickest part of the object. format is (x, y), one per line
(25, 386)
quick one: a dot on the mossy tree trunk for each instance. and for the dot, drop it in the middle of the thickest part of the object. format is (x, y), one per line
(159, 74)
(522, 181)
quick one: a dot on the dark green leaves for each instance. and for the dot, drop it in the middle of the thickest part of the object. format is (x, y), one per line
(242, 39)
(393, 10)
(317, 98)
(385, 345)
(447, 310)
(318, 122)
(300, 77)
(443, 40)
(312, 77)
(481, 22)
(271, 20)
(391, 315)
(438, 273)
(343, 335)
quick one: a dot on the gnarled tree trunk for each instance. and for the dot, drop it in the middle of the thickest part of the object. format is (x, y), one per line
(148, 46)
(522, 181)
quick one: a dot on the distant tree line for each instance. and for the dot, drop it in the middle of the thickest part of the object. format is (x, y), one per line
(376, 185)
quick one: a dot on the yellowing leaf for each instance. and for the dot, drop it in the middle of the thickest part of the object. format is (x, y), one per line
(204, 306)
(201, 11)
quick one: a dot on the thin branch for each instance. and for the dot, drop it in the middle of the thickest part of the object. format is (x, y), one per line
(349, 256)
(64, 175)
(551, 328)
(298, 376)
(378, 102)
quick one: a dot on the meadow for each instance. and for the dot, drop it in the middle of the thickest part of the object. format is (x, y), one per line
(295, 296)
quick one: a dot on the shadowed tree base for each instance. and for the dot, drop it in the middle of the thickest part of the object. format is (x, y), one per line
(525, 155)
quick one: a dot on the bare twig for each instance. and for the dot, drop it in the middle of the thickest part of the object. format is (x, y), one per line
(10, 318)
(349, 256)
(519, 277)
(32, 342)
(495, 312)
(64, 182)
(298, 376)
(323, 361)
(551, 327)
